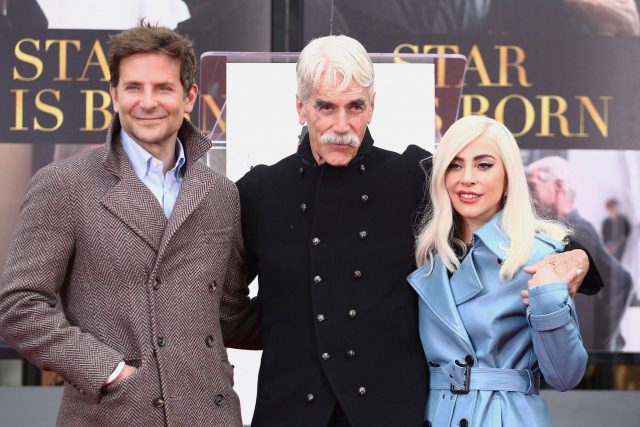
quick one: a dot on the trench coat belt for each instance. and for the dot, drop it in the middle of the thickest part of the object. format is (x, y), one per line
(490, 379)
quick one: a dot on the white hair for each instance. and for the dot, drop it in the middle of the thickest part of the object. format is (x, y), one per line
(554, 168)
(331, 58)
(439, 235)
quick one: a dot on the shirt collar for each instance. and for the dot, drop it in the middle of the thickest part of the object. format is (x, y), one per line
(141, 159)
(493, 237)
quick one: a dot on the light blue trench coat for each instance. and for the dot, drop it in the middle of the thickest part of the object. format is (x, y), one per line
(474, 318)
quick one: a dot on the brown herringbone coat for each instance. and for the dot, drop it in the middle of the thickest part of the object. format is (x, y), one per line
(161, 294)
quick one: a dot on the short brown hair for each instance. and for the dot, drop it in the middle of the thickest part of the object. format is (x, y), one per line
(149, 38)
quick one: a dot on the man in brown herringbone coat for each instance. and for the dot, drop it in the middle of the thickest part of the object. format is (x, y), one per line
(142, 245)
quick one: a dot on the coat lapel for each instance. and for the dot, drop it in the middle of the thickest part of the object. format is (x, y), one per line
(131, 201)
(193, 190)
(465, 283)
(436, 292)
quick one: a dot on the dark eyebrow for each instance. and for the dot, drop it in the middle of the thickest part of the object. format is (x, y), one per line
(321, 103)
(358, 102)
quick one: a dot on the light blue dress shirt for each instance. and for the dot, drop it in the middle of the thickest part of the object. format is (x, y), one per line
(165, 187)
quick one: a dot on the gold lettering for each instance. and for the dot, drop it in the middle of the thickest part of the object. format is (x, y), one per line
(503, 76)
(441, 63)
(62, 55)
(602, 123)
(529, 113)
(19, 123)
(476, 63)
(546, 114)
(100, 60)
(91, 109)
(413, 48)
(29, 59)
(49, 109)
(468, 102)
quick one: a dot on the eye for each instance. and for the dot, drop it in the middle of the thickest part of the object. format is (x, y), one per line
(358, 108)
(485, 165)
(131, 88)
(454, 165)
(164, 89)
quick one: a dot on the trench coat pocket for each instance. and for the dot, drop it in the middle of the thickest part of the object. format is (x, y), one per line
(115, 389)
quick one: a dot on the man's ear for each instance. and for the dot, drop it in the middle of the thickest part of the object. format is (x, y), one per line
(190, 98)
(302, 116)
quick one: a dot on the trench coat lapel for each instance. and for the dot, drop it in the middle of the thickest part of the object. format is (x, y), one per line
(193, 190)
(435, 291)
(465, 283)
(130, 200)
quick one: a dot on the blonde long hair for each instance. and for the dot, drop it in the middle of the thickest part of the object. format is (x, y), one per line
(439, 235)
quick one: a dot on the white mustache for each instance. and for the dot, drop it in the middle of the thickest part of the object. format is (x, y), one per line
(346, 139)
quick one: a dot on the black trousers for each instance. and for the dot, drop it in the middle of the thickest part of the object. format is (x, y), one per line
(338, 418)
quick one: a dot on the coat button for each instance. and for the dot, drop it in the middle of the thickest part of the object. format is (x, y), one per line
(326, 356)
(303, 207)
(317, 279)
(364, 198)
(357, 274)
(315, 241)
(301, 170)
(156, 284)
(362, 168)
(352, 313)
(213, 285)
(362, 235)
(351, 354)
(464, 423)
(218, 399)
(160, 341)
(426, 423)
(310, 397)
(158, 403)
(362, 391)
(209, 341)
(468, 359)
(499, 261)
(320, 317)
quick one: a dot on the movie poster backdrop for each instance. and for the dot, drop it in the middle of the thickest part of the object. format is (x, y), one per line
(562, 76)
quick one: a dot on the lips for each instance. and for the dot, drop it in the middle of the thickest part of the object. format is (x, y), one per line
(468, 196)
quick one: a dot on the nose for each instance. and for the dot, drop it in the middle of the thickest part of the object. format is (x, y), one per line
(341, 125)
(148, 100)
(468, 175)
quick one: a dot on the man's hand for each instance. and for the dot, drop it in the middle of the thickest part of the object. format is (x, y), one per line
(609, 17)
(575, 262)
(546, 273)
(126, 372)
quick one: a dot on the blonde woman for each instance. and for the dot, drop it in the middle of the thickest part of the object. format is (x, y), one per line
(485, 344)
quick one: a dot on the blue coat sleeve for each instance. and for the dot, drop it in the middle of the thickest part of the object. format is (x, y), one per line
(556, 336)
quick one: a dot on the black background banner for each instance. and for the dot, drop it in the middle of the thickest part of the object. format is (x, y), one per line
(574, 92)
(55, 83)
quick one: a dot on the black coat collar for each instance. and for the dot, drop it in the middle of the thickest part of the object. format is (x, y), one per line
(305, 154)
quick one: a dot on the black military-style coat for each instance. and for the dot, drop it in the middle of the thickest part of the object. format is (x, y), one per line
(332, 247)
